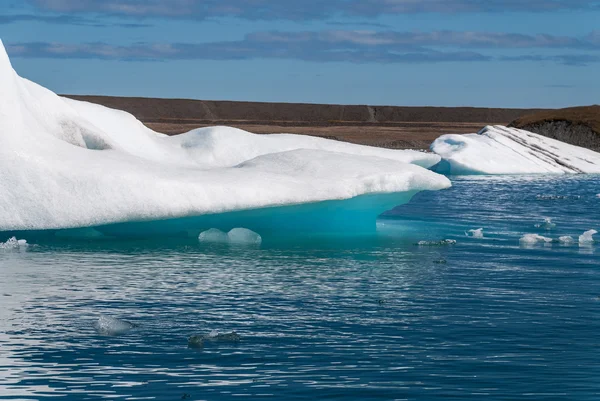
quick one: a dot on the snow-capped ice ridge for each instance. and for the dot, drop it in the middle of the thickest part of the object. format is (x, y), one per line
(501, 150)
(72, 164)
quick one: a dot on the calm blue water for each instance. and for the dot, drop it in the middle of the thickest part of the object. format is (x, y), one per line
(367, 318)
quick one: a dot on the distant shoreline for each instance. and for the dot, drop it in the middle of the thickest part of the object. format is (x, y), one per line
(395, 127)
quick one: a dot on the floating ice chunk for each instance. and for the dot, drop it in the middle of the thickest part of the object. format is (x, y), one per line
(546, 225)
(214, 236)
(502, 150)
(214, 336)
(243, 236)
(475, 233)
(598, 196)
(110, 326)
(587, 237)
(14, 243)
(237, 236)
(530, 239)
(196, 342)
(566, 239)
(557, 197)
(444, 242)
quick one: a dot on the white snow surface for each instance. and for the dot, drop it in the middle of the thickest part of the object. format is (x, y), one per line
(502, 150)
(69, 164)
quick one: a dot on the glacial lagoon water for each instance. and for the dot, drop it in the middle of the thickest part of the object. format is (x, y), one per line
(355, 318)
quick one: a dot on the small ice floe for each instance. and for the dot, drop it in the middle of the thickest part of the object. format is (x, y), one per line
(598, 196)
(587, 237)
(475, 233)
(110, 326)
(244, 236)
(198, 341)
(531, 239)
(444, 242)
(213, 235)
(557, 197)
(566, 240)
(14, 243)
(237, 236)
(546, 225)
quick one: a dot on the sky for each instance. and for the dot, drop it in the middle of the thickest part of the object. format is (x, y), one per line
(488, 53)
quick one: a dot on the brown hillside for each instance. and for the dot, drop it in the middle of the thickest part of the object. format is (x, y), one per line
(384, 126)
(586, 115)
(578, 126)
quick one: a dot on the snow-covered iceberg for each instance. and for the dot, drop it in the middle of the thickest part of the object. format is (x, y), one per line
(70, 164)
(502, 150)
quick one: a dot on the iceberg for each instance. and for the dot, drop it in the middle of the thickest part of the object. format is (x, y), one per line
(502, 150)
(587, 237)
(70, 165)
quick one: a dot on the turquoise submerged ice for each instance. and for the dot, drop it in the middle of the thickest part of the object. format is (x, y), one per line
(351, 319)
(71, 164)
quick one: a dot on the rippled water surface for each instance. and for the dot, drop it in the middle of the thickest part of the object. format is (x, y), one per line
(362, 318)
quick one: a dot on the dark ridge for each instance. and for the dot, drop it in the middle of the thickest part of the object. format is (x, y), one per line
(185, 110)
(384, 126)
(578, 126)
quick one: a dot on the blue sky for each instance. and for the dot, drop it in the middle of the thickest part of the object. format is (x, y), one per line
(494, 53)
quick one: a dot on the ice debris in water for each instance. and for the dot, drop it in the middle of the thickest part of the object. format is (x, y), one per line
(546, 225)
(244, 236)
(198, 341)
(587, 237)
(213, 235)
(475, 233)
(534, 239)
(110, 326)
(557, 197)
(14, 243)
(566, 239)
(437, 243)
(238, 236)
